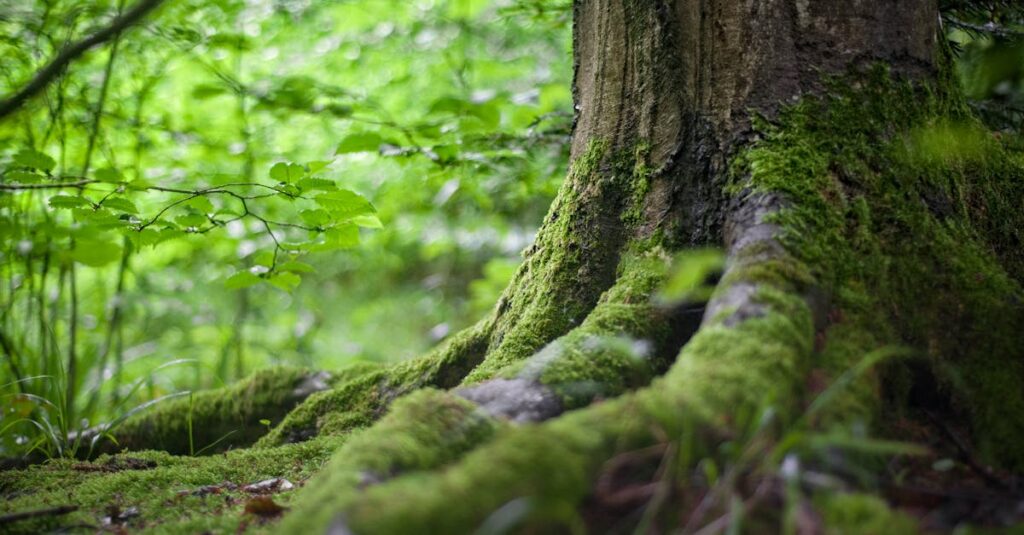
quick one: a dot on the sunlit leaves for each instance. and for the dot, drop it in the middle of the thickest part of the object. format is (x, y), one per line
(35, 160)
(693, 275)
(190, 220)
(205, 91)
(314, 183)
(242, 279)
(68, 201)
(200, 107)
(296, 266)
(368, 221)
(315, 218)
(108, 175)
(95, 252)
(201, 204)
(286, 172)
(361, 142)
(345, 204)
(340, 237)
(284, 280)
(317, 166)
(476, 114)
(23, 177)
(121, 204)
(98, 218)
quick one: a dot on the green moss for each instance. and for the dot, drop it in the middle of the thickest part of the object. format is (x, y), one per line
(546, 470)
(574, 258)
(863, 226)
(861, 514)
(636, 164)
(422, 431)
(164, 490)
(364, 398)
(621, 345)
(909, 213)
(222, 418)
(561, 278)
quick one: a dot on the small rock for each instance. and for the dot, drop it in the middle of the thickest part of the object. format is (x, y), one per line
(268, 486)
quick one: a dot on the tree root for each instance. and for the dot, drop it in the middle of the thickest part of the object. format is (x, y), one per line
(753, 346)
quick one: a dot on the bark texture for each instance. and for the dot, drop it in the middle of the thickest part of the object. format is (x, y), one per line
(798, 135)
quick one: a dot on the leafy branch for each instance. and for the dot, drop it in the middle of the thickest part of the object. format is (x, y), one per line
(53, 69)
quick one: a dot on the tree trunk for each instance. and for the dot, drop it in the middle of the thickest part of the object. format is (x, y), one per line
(666, 155)
(807, 139)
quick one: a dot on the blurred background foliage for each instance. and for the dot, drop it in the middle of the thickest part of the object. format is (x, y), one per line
(232, 184)
(450, 116)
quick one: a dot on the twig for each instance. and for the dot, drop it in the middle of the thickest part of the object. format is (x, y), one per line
(55, 185)
(52, 511)
(990, 28)
(69, 54)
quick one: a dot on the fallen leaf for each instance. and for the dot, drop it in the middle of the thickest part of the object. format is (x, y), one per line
(263, 506)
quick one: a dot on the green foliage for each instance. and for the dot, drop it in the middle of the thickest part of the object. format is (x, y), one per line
(692, 271)
(988, 36)
(250, 183)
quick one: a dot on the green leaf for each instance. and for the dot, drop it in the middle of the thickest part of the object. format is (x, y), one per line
(35, 160)
(288, 192)
(168, 234)
(312, 183)
(101, 218)
(338, 110)
(201, 204)
(295, 266)
(68, 201)
(286, 172)
(691, 274)
(108, 175)
(205, 91)
(264, 258)
(121, 204)
(448, 104)
(368, 221)
(345, 204)
(488, 113)
(143, 237)
(286, 281)
(340, 237)
(23, 177)
(190, 220)
(241, 279)
(364, 142)
(344, 236)
(315, 218)
(446, 153)
(139, 184)
(317, 166)
(95, 253)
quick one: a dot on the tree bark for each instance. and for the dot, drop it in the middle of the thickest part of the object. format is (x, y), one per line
(799, 137)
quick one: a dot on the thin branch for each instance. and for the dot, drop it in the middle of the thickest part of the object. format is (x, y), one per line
(52, 511)
(990, 28)
(53, 69)
(55, 185)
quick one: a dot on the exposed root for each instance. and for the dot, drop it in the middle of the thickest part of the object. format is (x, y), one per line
(214, 420)
(725, 370)
(363, 399)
